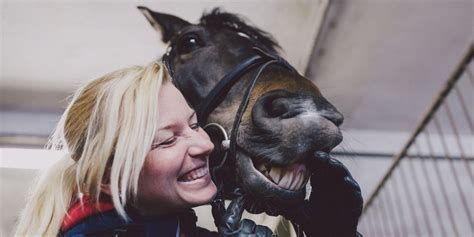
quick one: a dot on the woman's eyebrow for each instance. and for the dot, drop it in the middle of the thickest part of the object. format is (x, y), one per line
(167, 127)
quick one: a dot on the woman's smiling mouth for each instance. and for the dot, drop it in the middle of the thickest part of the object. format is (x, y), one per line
(194, 174)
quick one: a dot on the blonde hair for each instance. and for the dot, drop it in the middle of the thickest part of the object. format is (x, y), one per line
(107, 129)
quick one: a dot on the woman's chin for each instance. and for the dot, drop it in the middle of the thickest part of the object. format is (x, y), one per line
(198, 192)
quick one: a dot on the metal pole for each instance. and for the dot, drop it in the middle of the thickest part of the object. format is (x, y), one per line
(429, 114)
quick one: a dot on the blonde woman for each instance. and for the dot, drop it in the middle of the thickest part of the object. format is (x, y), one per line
(136, 162)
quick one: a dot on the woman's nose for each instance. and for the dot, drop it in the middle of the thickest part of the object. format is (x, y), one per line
(201, 145)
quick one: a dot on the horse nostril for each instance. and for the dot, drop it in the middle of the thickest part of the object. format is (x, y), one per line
(273, 106)
(277, 107)
(335, 117)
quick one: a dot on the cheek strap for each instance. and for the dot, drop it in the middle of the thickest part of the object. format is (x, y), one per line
(218, 157)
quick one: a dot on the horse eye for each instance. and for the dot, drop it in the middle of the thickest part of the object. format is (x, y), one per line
(188, 43)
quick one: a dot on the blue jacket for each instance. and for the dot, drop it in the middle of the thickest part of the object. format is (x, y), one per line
(111, 224)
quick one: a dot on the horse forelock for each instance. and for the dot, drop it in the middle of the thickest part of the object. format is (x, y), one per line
(220, 19)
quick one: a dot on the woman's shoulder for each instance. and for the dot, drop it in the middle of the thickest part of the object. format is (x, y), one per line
(111, 224)
(103, 224)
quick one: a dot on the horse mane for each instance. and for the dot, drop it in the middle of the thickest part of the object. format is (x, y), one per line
(220, 19)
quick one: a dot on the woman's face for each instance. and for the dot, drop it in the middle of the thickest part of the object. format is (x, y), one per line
(176, 170)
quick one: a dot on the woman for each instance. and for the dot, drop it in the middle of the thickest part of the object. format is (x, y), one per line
(136, 162)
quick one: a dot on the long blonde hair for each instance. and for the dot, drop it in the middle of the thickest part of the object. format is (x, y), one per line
(107, 129)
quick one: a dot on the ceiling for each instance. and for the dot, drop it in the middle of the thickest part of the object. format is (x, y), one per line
(48, 48)
(380, 62)
(53, 45)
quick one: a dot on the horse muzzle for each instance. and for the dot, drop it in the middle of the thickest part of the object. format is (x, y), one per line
(301, 123)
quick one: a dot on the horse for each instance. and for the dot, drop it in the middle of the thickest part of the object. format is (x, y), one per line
(231, 73)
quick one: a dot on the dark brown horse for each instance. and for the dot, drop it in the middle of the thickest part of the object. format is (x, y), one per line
(277, 118)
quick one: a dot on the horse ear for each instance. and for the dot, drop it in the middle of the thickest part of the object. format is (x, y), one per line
(168, 25)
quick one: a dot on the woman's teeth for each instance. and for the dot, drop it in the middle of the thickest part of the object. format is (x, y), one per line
(195, 174)
(294, 177)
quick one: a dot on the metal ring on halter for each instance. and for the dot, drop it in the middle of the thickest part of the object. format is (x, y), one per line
(226, 142)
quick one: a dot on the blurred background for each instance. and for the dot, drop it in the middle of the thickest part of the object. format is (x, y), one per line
(382, 63)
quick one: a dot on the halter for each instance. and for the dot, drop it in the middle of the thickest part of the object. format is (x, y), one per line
(260, 60)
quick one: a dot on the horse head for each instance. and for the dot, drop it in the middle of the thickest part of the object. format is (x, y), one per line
(285, 120)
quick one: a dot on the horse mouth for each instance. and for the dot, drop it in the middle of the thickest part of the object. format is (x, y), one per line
(290, 178)
(270, 184)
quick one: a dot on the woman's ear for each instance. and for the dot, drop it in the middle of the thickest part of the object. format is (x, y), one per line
(105, 185)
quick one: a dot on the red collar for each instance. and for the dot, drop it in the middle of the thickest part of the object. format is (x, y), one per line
(78, 212)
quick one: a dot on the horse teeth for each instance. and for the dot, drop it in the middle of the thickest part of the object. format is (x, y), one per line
(264, 169)
(294, 181)
(283, 182)
(275, 174)
(304, 180)
(299, 181)
(287, 180)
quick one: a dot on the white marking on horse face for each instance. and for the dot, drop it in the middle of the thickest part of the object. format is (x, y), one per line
(243, 35)
(313, 115)
(311, 111)
(309, 117)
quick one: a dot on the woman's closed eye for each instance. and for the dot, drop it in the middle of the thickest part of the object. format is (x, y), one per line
(194, 126)
(178, 132)
(166, 143)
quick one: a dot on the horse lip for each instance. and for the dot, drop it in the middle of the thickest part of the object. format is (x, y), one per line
(264, 185)
(268, 162)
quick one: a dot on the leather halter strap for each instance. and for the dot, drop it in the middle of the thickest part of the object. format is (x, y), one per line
(219, 92)
(261, 60)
